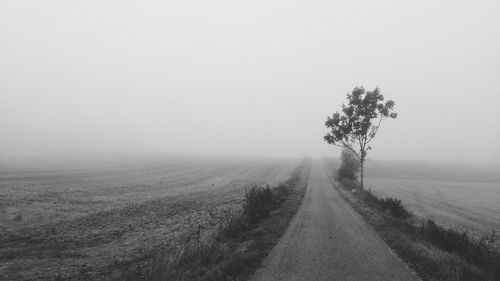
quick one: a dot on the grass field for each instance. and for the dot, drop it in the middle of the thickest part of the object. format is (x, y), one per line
(433, 251)
(88, 220)
(462, 197)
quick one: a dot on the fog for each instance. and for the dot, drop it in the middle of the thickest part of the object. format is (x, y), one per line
(251, 78)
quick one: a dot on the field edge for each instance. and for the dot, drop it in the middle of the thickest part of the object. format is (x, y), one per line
(238, 248)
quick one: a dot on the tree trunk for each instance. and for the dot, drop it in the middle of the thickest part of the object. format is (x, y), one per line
(362, 175)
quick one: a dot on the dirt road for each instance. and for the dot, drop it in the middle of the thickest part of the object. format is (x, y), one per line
(328, 240)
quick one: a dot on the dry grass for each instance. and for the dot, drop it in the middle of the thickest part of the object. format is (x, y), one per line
(82, 224)
(436, 253)
(472, 206)
(463, 197)
(237, 249)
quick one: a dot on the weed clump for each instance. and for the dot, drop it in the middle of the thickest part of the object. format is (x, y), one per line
(395, 207)
(258, 204)
(437, 253)
(237, 248)
(391, 205)
(483, 252)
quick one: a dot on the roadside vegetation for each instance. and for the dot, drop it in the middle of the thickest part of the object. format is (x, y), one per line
(95, 220)
(433, 251)
(238, 247)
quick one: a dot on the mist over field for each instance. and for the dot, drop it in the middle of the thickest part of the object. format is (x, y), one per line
(443, 171)
(223, 78)
(249, 140)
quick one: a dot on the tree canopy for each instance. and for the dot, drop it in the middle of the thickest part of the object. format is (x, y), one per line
(358, 123)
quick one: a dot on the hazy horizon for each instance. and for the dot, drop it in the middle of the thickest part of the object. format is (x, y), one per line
(255, 79)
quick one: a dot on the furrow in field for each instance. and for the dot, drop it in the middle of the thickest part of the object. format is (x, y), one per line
(128, 218)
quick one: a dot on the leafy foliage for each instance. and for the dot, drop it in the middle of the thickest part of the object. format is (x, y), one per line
(349, 166)
(355, 124)
(354, 127)
(258, 203)
(392, 205)
(395, 207)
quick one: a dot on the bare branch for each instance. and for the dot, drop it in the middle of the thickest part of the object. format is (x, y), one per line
(345, 145)
(376, 130)
(351, 149)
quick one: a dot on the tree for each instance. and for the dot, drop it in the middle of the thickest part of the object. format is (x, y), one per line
(349, 166)
(353, 129)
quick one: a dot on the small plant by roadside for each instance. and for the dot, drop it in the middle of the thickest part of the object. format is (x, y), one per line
(349, 166)
(435, 252)
(236, 250)
(391, 205)
(259, 202)
(482, 251)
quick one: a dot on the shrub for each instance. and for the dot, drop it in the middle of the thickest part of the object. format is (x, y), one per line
(233, 251)
(394, 206)
(371, 199)
(349, 166)
(235, 227)
(345, 173)
(482, 252)
(437, 252)
(258, 203)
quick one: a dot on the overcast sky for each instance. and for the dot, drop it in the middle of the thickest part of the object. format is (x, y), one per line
(246, 77)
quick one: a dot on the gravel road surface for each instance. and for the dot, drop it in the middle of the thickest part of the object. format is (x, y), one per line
(328, 240)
